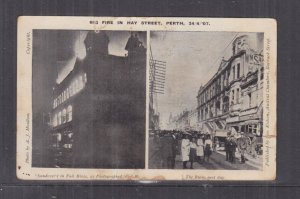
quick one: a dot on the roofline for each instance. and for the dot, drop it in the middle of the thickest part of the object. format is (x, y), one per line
(219, 72)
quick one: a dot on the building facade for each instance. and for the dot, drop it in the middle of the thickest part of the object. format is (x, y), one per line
(98, 115)
(233, 98)
(185, 121)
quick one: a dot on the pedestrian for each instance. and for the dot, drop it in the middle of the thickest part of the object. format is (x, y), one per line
(193, 155)
(207, 147)
(200, 149)
(185, 150)
(232, 148)
(227, 146)
(213, 144)
(242, 146)
(168, 151)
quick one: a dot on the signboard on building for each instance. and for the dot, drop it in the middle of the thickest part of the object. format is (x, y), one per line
(255, 59)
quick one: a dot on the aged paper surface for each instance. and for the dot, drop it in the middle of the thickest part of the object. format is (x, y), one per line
(146, 99)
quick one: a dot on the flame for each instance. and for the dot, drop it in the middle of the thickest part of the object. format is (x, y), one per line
(79, 52)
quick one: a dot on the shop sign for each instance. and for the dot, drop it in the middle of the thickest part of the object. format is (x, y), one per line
(255, 59)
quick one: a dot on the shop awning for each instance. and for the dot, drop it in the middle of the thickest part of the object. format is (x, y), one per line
(209, 127)
(221, 133)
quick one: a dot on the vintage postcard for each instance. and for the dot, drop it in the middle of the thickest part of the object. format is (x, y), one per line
(146, 99)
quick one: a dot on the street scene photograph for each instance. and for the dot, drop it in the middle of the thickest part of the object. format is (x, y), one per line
(206, 100)
(88, 99)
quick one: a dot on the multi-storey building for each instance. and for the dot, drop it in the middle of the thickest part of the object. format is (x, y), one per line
(98, 115)
(182, 122)
(185, 121)
(233, 97)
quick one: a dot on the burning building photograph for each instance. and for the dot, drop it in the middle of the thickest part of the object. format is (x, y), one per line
(89, 99)
(206, 100)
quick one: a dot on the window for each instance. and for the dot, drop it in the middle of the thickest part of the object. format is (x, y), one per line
(227, 78)
(232, 97)
(250, 129)
(237, 95)
(69, 113)
(54, 120)
(67, 93)
(59, 118)
(85, 78)
(64, 116)
(254, 129)
(233, 72)
(218, 107)
(225, 104)
(238, 70)
(71, 90)
(58, 137)
(243, 129)
(249, 98)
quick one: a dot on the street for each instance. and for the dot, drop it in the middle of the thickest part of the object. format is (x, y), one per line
(217, 161)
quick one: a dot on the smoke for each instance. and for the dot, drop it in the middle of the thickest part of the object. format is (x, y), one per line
(117, 42)
(79, 51)
(79, 47)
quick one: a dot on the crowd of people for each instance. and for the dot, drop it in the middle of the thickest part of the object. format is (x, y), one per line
(195, 149)
(198, 147)
(242, 143)
(192, 146)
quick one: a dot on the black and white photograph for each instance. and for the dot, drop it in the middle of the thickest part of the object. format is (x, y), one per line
(206, 100)
(88, 99)
(146, 99)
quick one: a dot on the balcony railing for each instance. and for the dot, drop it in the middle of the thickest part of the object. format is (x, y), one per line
(251, 78)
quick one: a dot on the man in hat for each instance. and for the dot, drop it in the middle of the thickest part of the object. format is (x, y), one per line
(232, 148)
(227, 145)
